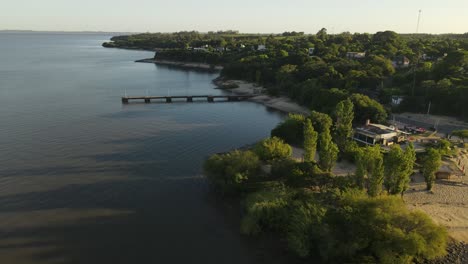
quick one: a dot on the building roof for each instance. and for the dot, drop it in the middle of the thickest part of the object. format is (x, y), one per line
(376, 129)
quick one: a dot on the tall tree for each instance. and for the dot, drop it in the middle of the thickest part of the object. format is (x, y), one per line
(398, 169)
(344, 122)
(328, 151)
(376, 175)
(370, 170)
(310, 141)
(410, 159)
(392, 169)
(431, 164)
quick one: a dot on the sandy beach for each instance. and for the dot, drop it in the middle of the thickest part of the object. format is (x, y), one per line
(447, 204)
(280, 103)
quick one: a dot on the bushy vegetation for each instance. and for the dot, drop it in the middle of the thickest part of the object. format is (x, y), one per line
(345, 226)
(320, 216)
(291, 129)
(228, 171)
(272, 149)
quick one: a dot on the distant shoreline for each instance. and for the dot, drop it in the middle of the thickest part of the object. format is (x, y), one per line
(183, 64)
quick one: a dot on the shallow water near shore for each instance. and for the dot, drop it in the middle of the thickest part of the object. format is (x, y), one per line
(85, 179)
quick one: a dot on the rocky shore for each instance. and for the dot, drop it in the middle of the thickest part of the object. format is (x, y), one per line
(457, 253)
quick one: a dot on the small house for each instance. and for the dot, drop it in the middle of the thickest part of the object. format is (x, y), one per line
(377, 134)
(261, 48)
(311, 51)
(444, 172)
(355, 55)
(401, 62)
(397, 100)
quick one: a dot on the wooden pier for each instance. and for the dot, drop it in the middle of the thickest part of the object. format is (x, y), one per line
(186, 98)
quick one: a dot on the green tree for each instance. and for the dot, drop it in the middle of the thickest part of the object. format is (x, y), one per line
(291, 130)
(398, 169)
(376, 177)
(370, 170)
(344, 122)
(408, 168)
(431, 165)
(272, 149)
(328, 151)
(265, 210)
(321, 122)
(228, 171)
(367, 108)
(379, 230)
(310, 141)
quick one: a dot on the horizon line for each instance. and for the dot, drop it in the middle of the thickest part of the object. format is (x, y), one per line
(203, 32)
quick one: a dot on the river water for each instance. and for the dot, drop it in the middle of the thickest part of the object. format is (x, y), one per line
(85, 179)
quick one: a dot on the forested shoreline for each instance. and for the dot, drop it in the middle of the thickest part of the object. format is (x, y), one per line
(319, 216)
(420, 72)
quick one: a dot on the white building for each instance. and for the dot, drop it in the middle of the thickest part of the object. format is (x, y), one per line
(401, 62)
(355, 55)
(396, 100)
(376, 134)
(261, 47)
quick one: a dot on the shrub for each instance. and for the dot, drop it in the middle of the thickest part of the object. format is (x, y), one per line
(282, 168)
(265, 210)
(305, 227)
(272, 149)
(229, 171)
(384, 228)
(291, 130)
(444, 147)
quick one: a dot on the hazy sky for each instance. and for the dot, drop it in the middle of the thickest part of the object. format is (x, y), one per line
(244, 15)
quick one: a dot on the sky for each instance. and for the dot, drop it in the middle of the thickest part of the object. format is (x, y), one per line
(247, 16)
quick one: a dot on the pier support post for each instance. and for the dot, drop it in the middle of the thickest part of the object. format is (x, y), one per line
(124, 100)
(168, 100)
(210, 99)
(189, 99)
(147, 100)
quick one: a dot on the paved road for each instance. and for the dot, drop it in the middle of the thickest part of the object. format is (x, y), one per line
(441, 128)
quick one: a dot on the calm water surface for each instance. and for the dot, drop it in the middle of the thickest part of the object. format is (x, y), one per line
(85, 179)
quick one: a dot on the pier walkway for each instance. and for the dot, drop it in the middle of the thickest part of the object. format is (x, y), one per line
(186, 98)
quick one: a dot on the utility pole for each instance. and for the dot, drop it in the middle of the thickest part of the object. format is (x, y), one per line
(419, 19)
(417, 60)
